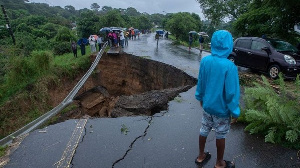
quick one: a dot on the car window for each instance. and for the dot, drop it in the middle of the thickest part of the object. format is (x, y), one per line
(257, 45)
(243, 43)
(280, 45)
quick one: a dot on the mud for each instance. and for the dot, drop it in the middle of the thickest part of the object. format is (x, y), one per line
(127, 85)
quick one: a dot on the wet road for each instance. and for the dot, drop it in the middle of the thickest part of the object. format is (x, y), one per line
(166, 140)
(177, 56)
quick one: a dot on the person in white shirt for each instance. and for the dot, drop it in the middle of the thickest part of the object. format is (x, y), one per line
(92, 42)
(122, 38)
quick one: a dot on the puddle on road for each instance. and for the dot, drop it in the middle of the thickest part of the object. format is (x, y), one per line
(127, 85)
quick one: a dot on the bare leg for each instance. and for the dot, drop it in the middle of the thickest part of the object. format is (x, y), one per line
(202, 141)
(220, 143)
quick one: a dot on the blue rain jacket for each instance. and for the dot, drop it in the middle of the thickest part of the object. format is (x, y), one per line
(218, 82)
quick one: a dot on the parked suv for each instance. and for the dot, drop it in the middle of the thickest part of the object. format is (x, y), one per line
(266, 55)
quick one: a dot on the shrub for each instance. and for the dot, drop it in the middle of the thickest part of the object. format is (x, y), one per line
(275, 114)
(60, 48)
(41, 43)
(19, 70)
(41, 60)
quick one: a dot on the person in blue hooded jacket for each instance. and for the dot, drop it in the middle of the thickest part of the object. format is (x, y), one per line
(218, 92)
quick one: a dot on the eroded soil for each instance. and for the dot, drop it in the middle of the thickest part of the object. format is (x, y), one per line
(127, 85)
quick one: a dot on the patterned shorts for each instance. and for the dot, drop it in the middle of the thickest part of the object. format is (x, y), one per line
(209, 122)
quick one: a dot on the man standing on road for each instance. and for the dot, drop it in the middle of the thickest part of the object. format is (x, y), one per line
(201, 41)
(190, 40)
(157, 38)
(218, 92)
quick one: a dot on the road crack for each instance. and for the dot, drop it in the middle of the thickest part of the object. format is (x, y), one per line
(132, 143)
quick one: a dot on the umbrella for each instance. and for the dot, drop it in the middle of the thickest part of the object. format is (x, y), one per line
(82, 40)
(193, 32)
(104, 29)
(116, 29)
(136, 30)
(95, 36)
(203, 34)
(130, 28)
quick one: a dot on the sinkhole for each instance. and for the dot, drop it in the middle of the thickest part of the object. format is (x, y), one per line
(128, 85)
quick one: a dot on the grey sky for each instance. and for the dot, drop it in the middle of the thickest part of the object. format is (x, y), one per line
(149, 6)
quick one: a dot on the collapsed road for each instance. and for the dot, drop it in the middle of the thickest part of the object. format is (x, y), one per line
(165, 139)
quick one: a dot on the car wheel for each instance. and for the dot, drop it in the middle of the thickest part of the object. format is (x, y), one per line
(274, 71)
(231, 58)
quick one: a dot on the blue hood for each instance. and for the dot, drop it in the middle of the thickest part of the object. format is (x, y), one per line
(221, 44)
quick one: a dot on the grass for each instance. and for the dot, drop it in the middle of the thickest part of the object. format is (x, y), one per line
(195, 44)
(178, 99)
(24, 96)
(3, 150)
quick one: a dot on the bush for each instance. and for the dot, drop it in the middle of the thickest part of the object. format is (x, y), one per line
(41, 60)
(25, 41)
(60, 48)
(41, 43)
(20, 70)
(275, 114)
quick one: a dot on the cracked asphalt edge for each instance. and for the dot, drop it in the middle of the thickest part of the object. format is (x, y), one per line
(72, 145)
(132, 143)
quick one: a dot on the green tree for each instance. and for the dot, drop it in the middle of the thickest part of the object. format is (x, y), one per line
(70, 8)
(114, 19)
(217, 10)
(106, 9)
(180, 24)
(274, 18)
(157, 18)
(131, 12)
(144, 23)
(50, 30)
(63, 41)
(86, 24)
(64, 34)
(95, 7)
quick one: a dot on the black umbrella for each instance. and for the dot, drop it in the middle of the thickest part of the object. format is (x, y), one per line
(104, 29)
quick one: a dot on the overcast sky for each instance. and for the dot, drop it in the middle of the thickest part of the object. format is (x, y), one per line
(149, 6)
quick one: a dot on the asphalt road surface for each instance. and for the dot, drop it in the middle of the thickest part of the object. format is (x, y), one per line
(168, 139)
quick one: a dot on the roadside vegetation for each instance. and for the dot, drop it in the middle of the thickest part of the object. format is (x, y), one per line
(3, 150)
(272, 109)
(42, 55)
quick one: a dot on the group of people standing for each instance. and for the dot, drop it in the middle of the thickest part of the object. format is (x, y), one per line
(93, 40)
(117, 38)
(120, 37)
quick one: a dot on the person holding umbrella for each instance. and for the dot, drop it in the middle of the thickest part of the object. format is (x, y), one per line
(82, 42)
(201, 41)
(190, 40)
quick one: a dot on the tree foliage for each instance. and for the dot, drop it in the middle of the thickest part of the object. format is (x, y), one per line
(217, 10)
(275, 115)
(95, 7)
(113, 18)
(86, 24)
(275, 18)
(181, 23)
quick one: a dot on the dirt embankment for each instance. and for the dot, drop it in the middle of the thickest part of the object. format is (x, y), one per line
(126, 85)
